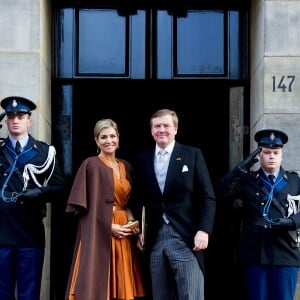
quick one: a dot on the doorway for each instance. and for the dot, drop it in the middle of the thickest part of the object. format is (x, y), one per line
(203, 110)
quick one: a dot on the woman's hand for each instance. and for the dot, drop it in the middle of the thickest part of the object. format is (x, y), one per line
(120, 232)
(135, 230)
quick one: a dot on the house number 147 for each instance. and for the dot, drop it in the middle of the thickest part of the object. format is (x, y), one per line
(283, 83)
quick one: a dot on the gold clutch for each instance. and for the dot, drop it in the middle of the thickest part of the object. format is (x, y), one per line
(131, 224)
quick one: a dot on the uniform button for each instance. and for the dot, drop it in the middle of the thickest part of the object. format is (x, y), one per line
(5, 174)
(262, 203)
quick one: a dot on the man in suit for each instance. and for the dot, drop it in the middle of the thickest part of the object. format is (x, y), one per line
(269, 207)
(29, 178)
(176, 190)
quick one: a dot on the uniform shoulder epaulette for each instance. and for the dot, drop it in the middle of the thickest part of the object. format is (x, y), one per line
(40, 144)
(297, 172)
(2, 143)
(44, 143)
(254, 174)
(293, 172)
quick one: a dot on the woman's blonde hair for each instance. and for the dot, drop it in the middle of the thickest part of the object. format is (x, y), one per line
(105, 123)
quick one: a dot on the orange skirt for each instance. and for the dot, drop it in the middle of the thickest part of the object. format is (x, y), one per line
(125, 275)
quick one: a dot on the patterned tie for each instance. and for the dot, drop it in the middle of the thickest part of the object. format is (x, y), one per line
(18, 148)
(161, 170)
(161, 156)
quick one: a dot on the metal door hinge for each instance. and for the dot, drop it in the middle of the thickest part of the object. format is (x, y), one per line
(237, 129)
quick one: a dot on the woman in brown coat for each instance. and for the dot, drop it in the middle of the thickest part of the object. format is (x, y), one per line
(105, 265)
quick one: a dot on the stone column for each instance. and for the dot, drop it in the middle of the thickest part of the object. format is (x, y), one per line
(275, 72)
(25, 68)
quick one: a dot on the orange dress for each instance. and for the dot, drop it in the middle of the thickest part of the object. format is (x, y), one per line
(125, 274)
(125, 277)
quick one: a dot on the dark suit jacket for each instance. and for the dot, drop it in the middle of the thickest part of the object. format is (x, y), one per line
(188, 199)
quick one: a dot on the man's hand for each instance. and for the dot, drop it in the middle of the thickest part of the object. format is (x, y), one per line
(284, 223)
(249, 161)
(200, 240)
(139, 243)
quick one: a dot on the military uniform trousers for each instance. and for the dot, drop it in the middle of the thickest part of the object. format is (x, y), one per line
(24, 265)
(175, 272)
(271, 282)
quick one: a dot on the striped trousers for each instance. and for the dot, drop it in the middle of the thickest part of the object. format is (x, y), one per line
(175, 272)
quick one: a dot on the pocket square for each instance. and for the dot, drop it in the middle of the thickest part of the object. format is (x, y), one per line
(185, 168)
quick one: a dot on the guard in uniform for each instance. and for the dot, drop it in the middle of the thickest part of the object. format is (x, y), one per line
(269, 205)
(29, 178)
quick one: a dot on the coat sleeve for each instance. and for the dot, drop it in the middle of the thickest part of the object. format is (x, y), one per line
(77, 201)
(206, 191)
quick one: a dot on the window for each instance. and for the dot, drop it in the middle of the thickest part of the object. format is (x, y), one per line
(150, 43)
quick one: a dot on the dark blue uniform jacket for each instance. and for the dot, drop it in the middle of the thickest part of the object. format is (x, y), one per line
(21, 220)
(260, 242)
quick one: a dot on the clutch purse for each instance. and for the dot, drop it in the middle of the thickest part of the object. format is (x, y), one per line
(131, 224)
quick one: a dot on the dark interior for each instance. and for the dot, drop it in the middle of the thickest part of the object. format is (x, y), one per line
(202, 109)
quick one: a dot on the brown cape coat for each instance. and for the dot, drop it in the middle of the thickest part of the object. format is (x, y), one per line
(92, 197)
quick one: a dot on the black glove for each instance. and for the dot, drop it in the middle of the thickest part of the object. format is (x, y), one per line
(250, 160)
(29, 194)
(284, 223)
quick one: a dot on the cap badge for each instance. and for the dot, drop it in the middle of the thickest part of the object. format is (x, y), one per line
(272, 136)
(14, 103)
